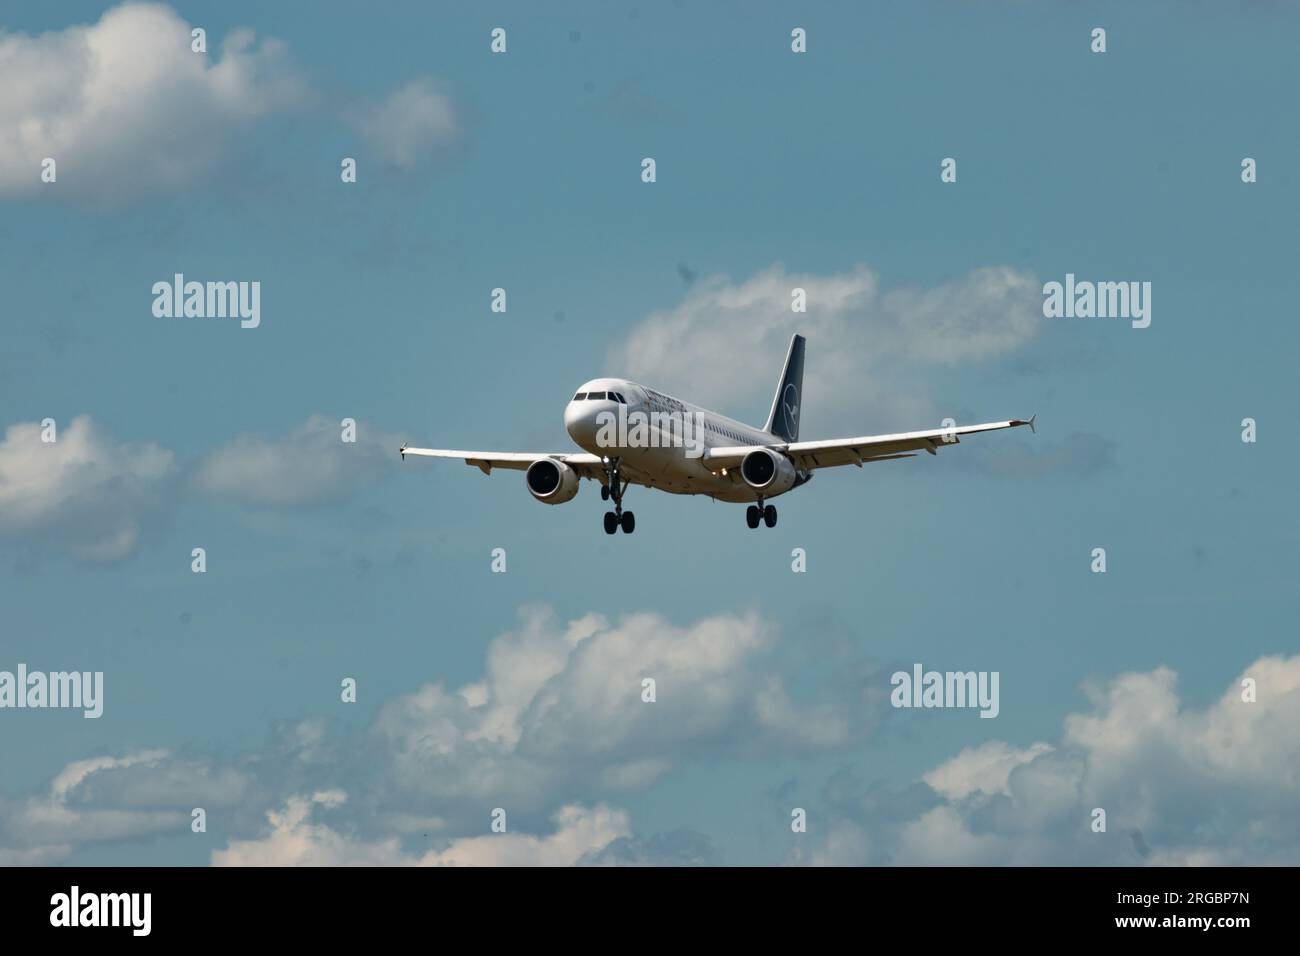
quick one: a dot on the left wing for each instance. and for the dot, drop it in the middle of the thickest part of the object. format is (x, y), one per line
(809, 455)
(586, 465)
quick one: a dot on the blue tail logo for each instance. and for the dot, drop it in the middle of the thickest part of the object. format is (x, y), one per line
(790, 406)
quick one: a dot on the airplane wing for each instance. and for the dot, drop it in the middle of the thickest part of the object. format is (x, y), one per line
(810, 455)
(586, 465)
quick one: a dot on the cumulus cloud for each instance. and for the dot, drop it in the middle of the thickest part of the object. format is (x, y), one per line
(310, 465)
(92, 496)
(125, 107)
(411, 125)
(555, 727)
(45, 828)
(866, 343)
(983, 769)
(1179, 785)
(560, 710)
(295, 840)
(83, 492)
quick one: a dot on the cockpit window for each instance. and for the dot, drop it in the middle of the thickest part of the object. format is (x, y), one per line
(596, 395)
(580, 396)
(618, 397)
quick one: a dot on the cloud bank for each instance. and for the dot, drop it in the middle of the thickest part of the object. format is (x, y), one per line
(555, 733)
(1179, 785)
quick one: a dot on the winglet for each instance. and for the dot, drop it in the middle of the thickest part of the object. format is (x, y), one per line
(402, 451)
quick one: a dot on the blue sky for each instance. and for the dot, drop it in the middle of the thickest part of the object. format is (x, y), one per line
(522, 171)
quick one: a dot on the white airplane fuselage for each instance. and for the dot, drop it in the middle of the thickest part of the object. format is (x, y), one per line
(674, 466)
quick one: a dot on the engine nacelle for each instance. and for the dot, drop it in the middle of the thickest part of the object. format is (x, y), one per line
(551, 482)
(768, 472)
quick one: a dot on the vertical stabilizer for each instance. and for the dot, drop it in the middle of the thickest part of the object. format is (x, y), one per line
(783, 419)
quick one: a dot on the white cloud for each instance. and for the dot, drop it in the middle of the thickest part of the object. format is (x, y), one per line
(845, 844)
(939, 837)
(410, 125)
(982, 769)
(560, 710)
(295, 840)
(83, 491)
(92, 496)
(557, 721)
(77, 772)
(126, 108)
(679, 847)
(310, 465)
(1179, 785)
(45, 828)
(725, 341)
(38, 856)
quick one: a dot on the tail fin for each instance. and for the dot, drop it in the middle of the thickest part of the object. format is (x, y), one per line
(783, 419)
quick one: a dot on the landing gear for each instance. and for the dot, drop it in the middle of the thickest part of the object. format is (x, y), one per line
(756, 513)
(614, 487)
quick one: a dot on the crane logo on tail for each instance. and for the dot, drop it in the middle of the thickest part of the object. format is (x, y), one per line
(790, 406)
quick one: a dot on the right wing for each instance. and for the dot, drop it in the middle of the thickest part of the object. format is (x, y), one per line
(810, 455)
(586, 465)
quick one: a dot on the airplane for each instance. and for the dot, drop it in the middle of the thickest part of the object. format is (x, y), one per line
(723, 458)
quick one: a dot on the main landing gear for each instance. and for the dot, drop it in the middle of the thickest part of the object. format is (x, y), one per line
(614, 487)
(756, 513)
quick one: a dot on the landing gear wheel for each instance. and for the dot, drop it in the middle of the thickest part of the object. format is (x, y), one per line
(613, 487)
(751, 516)
(769, 516)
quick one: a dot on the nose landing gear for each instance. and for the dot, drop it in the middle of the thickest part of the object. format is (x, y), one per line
(614, 487)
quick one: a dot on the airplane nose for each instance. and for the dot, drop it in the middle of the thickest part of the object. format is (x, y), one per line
(580, 423)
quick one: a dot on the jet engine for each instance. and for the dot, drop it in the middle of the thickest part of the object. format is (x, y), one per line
(551, 482)
(768, 472)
